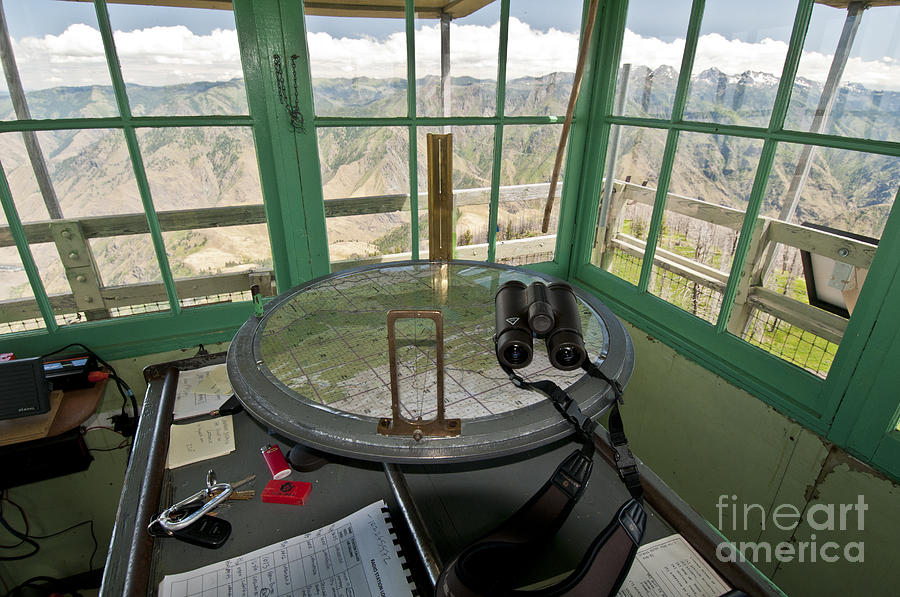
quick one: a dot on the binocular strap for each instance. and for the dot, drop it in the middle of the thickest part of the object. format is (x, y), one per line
(492, 566)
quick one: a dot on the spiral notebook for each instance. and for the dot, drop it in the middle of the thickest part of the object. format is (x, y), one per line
(356, 556)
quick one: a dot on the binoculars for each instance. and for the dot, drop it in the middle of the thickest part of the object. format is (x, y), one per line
(548, 312)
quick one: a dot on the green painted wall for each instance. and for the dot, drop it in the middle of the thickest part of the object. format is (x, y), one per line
(707, 438)
(702, 435)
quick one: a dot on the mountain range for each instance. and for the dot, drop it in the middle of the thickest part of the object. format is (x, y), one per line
(216, 166)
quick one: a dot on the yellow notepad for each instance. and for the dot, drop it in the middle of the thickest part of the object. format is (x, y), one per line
(198, 441)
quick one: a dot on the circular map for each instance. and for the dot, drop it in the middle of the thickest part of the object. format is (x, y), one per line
(321, 350)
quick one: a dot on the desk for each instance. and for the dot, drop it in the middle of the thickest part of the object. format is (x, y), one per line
(453, 490)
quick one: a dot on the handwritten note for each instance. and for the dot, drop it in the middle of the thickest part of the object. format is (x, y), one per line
(198, 441)
(201, 391)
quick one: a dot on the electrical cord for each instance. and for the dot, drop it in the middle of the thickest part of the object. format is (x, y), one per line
(121, 384)
(26, 537)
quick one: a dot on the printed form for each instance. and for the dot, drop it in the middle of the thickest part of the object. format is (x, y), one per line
(354, 557)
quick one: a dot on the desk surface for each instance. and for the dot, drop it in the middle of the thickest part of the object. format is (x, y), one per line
(458, 502)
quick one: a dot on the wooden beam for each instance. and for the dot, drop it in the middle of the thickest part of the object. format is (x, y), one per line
(695, 208)
(839, 248)
(821, 323)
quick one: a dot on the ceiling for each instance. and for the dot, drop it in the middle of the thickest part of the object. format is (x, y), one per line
(424, 9)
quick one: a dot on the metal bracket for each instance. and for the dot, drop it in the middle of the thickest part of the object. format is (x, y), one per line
(398, 424)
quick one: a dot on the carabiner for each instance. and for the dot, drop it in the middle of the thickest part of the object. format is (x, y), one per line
(173, 519)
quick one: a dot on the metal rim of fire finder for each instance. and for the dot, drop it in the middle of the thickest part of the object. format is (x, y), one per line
(351, 435)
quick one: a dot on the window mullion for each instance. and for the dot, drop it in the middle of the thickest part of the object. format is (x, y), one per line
(305, 146)
(498, 132)
(115, 73)
(31, 270)
(681, 91)
(413, 138)
(764, 167)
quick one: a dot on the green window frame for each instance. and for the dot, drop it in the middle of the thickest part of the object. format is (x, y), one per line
(855, 406)
(863, 422)
(178, 326)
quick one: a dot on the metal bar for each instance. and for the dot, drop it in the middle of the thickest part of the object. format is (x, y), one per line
(143, 477)
(413, 145)
(31, 270)
(820, 120)
(493, 210)
(440, 197)
(20, 106)
(417, 529)
(118, 83)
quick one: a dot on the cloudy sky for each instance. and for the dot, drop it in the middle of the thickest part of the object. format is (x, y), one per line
(67, 50)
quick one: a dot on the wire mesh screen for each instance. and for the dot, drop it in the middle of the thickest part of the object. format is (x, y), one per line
(791, 343)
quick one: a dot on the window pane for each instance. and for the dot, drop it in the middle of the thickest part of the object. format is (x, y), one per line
(122, 262)
(179, 61)
(841, 200)
(365, 182)
(60, 60)
(653, 47)
(474, 43)
(191, 167)
(866, 102)
(740, 56)
(473, 155)
(529, 152)
(712, 178)
(89, 171)
(623, 226)
(358, 66)
(17, 312)
(542, 53)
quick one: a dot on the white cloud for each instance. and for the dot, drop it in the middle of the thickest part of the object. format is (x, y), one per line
(154, 56)
(734, 57)
(167, 55)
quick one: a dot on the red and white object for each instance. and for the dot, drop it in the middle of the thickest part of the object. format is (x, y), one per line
(278, 466)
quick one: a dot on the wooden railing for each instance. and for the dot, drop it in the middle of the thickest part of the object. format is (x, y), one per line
(89, 296)
(751, 291)
(96, 300)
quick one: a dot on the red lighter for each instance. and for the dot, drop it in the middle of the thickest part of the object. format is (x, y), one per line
(278, 466)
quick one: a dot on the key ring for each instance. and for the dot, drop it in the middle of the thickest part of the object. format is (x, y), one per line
(174, 519)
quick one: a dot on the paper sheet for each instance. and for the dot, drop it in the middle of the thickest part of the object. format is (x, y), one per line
(201, 391)
(198, 441)
(670, 567)
(355, 556)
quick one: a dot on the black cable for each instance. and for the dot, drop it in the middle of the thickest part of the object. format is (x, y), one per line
(121, 384)
(30, 539)
(25, 539)
(31, 581)
(24, 519)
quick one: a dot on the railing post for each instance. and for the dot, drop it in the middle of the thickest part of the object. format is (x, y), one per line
(750, 275)
(608, 229)
(81, 268)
